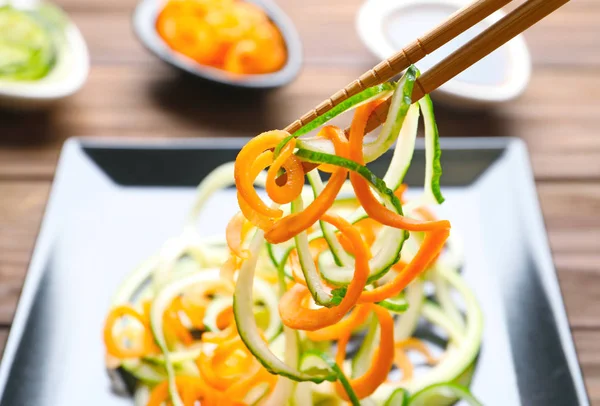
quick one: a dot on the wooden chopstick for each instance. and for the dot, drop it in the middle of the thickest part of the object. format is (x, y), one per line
(488, 41)
(454, 25)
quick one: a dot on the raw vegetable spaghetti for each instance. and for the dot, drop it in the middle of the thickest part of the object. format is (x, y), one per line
(232, 35)
(324, 294)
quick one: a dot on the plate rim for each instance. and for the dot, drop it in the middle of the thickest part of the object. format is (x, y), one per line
(514, 148)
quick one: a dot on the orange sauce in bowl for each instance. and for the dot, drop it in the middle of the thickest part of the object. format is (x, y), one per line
(231, 35)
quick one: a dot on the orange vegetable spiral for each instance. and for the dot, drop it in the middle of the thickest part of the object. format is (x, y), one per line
(234, 36)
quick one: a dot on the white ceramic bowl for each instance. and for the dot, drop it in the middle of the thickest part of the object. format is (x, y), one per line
(386, 26)
(65, 78)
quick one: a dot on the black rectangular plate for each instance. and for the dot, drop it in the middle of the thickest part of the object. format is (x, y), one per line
(114, 203)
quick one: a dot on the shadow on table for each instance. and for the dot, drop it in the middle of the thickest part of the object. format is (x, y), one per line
(243, 112)
(26, 128)
(215, 108)
(452, 122)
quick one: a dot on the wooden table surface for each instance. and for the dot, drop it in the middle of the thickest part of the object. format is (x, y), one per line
(132, 94)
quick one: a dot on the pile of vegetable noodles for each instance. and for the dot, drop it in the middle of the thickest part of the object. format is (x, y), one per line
(232, 35)
(334, 294)
(28, 42)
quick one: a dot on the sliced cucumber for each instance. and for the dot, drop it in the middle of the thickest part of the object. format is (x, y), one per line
(265, 293)
(363, 358)
(324, 394)
(465, 378)
(302, 394)
(378, 184)
(134, 281)
(359, 99)
(364, 97)
(404, 150)
(285, 387)
(395, 305)
(279, 253)
(317, 289)
(27, 47)
(443, 292)
(461, 358)
(257, 394)
(444, 297)
(144, 372)
(142, 395)
(341, 257)
(176, 357)
(161, 302)
(442, 394)
(390, 241)
(398, 398)
(406, 324)
(175, 250)
(247, 328)
(189, 242)
(374, 147)
(464, 355)
(320, 362)
(301, 363)
(433, 153)
(436, 316)
(401, 101)
(311, 361)
(213, 310)
(272, 255)
(219, 178)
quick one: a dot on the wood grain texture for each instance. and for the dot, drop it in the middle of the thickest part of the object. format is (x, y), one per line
(131, 93)
(154, 101)
(21, 209)
(588, 351)
(572, 31)
(3, 337)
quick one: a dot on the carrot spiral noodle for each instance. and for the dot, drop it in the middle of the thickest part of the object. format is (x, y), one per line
(309, 267)
(247, 167)
(377, 373)
(116, 347)
(287, 192)
(295, 315)
(234, 36)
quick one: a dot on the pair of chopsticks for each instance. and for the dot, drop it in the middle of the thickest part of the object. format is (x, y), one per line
(489, 40)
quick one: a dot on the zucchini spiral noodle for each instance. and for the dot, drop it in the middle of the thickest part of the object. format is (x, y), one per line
(328, 294)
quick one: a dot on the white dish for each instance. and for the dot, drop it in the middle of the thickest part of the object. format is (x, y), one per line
(386, 26)
(65, 78)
